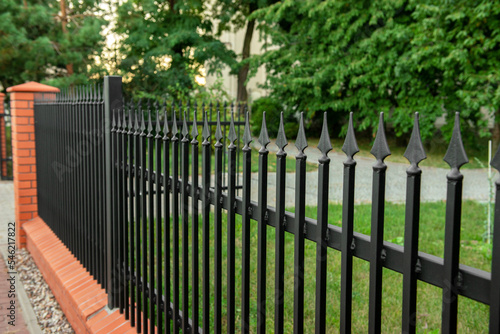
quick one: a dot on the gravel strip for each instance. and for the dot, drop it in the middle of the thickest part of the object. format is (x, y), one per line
(51, 318)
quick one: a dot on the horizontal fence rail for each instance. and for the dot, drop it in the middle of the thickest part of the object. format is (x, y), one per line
(146, 215)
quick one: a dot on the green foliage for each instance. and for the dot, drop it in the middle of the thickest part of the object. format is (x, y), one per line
(394, 56)
(272, 109)
(165, 47)
(34, 47)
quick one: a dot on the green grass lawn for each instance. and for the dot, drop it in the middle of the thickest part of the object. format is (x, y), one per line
(473, 316)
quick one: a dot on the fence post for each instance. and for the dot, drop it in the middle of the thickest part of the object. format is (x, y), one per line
(23, 152)
(112, 100)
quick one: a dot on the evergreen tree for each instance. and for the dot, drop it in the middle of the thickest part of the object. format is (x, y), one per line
(52, 42)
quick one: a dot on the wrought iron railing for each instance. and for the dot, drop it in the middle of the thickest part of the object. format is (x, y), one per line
(131, 203)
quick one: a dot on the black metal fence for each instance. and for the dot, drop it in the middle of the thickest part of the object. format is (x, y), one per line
(6, 167)
(122, 188)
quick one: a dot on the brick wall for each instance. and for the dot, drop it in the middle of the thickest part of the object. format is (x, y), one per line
(23, 153)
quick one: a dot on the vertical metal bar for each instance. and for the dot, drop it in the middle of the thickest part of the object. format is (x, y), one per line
(112, 99)
(175, 216)
(300, 206)
(231, 228)
(144, 223)
(206, 159)
(185, 224)
(125, 221)
(194, 221)
(218, 228)
(380, 150)
(262, 229)
(132, 193)
(414, 153)
(102, 201)
(131, 197)
(116, 203)
(238, 155)
(279, 290)
(118, 210)
(347, 245)
(158, 191)
(167, 186)
(495, 262)
(321, 244)
(113, 190)
(224, 153)
(151, 227)
(88, 182)
(245, 270)
(455, 157)
(138, 172)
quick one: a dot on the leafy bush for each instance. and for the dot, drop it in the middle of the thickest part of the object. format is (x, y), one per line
(272, 109)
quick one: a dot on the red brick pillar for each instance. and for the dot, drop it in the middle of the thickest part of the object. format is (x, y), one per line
(3, 137)
(23, 153)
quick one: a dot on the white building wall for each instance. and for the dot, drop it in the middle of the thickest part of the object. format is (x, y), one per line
(234, 41)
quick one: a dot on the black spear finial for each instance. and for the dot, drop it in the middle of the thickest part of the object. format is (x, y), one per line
(232, 132)
(158, 125)
(415, 150)
(455, 155)
(194, 130)
(175, 131)
(88, 89)
(150, 124)
(206, 129)
(143, 123)
(165, 121)
(281, 140)
(156, 107)
(301, 141)
(98, 92)
(84, 93)
(350, 147)
(325, 144)
(124, 117)
(380, 149)
(118, 119)
(78, 93)
(113, 119)
(264, 136)
(247, 136)
(137, 125)
(185, 128)
(130, 117)
(218, 130)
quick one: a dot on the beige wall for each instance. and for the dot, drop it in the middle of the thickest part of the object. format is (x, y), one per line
(234, 41)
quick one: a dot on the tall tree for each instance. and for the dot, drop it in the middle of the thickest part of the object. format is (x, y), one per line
(237, 15)
(165, 44)
(394, 56)
(40, 42)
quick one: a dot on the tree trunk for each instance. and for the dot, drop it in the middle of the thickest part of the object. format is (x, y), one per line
(64, 23)
(242, 94)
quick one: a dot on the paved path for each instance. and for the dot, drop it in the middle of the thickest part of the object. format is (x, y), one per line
(25, 320)
(476, 184)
